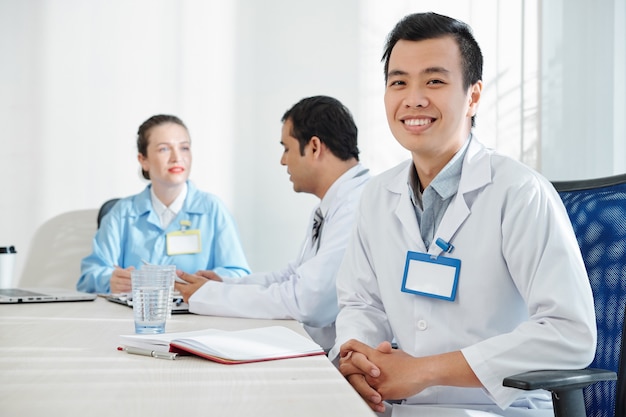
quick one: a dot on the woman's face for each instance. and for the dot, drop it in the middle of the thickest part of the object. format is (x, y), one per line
(168, 157)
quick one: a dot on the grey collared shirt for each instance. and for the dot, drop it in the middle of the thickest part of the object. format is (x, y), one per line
(431, 204)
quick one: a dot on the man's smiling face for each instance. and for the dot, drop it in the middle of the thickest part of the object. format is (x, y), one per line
(428, 109)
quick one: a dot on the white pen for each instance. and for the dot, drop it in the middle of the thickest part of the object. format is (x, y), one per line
(148, 352)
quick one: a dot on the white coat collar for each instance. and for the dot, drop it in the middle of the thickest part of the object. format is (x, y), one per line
(476, 171)
(476, 174)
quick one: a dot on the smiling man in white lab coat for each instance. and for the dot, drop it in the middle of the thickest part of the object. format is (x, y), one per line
(319, 138)
(464, 256)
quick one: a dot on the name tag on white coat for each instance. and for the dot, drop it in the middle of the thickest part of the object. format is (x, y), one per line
(431, 276)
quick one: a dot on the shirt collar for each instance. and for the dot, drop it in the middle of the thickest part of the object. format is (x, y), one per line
(446, 183)
(176, 205)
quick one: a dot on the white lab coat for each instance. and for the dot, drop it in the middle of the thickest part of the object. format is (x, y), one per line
(304, 290)
(523, 300)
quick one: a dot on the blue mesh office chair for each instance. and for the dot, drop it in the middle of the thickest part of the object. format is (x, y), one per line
(597, 210)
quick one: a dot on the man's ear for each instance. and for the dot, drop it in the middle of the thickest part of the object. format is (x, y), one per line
(315, 145)
(474, 98)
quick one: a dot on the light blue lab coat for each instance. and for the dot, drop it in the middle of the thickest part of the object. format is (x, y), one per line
(131, 232)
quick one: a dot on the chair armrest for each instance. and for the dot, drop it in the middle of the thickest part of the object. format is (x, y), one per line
(566, 386)
(558, 380)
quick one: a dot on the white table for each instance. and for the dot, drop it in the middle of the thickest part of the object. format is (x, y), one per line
(61, 359)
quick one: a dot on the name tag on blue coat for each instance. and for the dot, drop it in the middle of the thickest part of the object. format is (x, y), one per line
(184, 242)
(431, 276)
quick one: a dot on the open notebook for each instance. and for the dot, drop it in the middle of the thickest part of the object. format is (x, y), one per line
(42, 295)
(229, 347)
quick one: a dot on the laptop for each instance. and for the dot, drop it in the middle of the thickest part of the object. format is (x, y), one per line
(126, 299)
(42, 295)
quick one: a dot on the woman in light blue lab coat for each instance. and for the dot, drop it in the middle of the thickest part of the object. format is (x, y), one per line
(169, 222)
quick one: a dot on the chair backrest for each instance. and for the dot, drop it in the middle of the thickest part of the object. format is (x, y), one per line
(104, 209)
(597, 210)
(55, 252)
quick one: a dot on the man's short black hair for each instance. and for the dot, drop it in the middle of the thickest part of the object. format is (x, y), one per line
(329, 120)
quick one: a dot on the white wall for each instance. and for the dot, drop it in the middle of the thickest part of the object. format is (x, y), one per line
(78, 77)
(284, 51)
(583, 83)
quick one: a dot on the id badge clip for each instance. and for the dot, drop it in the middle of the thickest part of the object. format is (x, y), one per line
(184, 241)
(431, 276)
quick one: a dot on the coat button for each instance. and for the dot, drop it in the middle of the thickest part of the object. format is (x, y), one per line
(422, 325)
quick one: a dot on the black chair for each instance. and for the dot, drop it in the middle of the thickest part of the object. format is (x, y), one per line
(597, 210)
(104, 209)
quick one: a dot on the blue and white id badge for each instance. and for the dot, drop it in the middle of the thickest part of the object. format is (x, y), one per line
(431, 276)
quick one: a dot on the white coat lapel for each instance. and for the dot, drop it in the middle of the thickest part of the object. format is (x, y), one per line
(475, 175)
(403, 209)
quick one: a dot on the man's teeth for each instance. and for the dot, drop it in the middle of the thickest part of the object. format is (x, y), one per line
(417, 122)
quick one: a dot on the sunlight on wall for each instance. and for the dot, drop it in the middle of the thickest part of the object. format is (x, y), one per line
(583, 85)
(208, 34)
